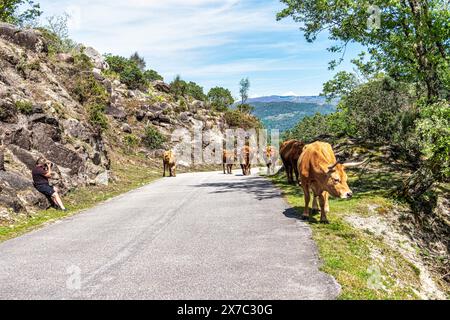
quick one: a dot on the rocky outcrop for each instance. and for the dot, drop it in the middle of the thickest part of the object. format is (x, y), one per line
(44, 113)
(29, 39)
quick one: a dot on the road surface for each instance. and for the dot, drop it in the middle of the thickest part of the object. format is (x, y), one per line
(197, 236)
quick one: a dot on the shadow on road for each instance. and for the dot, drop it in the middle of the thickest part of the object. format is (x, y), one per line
(257, 186)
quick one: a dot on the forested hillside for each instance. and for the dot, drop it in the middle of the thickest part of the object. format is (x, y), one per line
(285, 115)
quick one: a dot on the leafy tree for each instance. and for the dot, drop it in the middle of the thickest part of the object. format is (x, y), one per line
(408, 39)
(140, 61)
(128, 70)
(244, 90)
(57, 33)
(152, 75)
(220, 98)
(195, 91)
(9, 11)
(341, 85)
(178, 87)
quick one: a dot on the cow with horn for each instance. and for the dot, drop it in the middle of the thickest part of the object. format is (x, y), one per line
(321, 174)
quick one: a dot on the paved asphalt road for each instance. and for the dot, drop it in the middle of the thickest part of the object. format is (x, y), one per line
(197, 236)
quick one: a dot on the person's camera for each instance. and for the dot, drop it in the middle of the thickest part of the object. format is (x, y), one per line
(48, 166)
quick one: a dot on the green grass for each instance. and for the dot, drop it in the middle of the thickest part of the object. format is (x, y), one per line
(346, 252)
(128, 176)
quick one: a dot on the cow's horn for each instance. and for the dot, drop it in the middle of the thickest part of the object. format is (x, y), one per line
(333, 166)
(355, 164)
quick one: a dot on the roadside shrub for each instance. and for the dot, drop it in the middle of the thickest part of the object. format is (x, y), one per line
(24, 107)
(433, 130)
(153, 139)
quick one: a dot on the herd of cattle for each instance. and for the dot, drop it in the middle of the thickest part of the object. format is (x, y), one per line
(315, 167)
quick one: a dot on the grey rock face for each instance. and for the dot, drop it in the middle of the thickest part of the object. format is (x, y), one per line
(30, 39)
(161, 86)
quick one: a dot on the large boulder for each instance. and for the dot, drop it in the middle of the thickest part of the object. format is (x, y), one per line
(96, 58)
(161, 86)
(46, 141)
(8, 112)
(27, 38)
(116, 112)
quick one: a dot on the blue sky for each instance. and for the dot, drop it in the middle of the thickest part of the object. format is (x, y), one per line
(211, 42)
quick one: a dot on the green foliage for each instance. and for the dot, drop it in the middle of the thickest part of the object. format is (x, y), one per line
(410, 42)
(195, 91)
(131, 141)
(131, 71)
(244, 88)
(433, 129)
(96, 115)
(25, 107)
(56, 31)
(128, 71)
(152, 75)
(88, 90)
(10, 11)
(153, 139)
(246, 108)
(180, 88)
(237, 119)
(342, 84)
(138, 60)
(220, 98)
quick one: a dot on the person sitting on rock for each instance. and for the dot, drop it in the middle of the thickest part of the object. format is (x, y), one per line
(41, 175)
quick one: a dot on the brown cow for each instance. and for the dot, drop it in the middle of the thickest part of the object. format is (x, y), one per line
(290, 152)
(169, 162)
(322, 174)
(246, 160)
(271, 157)
(229, 158)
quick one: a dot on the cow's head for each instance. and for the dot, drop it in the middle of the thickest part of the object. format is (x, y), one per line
(337, 180)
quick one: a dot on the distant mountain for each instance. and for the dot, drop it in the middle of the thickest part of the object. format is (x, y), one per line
(297, 99)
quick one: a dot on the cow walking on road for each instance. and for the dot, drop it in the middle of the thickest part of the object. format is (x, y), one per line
(271, 158)
(322, 174)
(229, 158)
(246, 159)
(169, 163)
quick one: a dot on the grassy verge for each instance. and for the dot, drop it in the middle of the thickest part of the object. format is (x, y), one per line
(362, 263)
(128, 175)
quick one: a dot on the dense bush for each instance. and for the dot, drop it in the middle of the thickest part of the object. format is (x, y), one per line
(88, 90)
(152, 138)
(180, 88)
(131, 71)
(237, 119)
(96, 116)
(220, 98)
(433, 129)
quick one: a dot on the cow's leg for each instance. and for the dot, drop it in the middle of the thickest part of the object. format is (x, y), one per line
(174, 171)
(164, 174)
(323, 199)
(315, 207)
(296, 173)
(307, 200)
